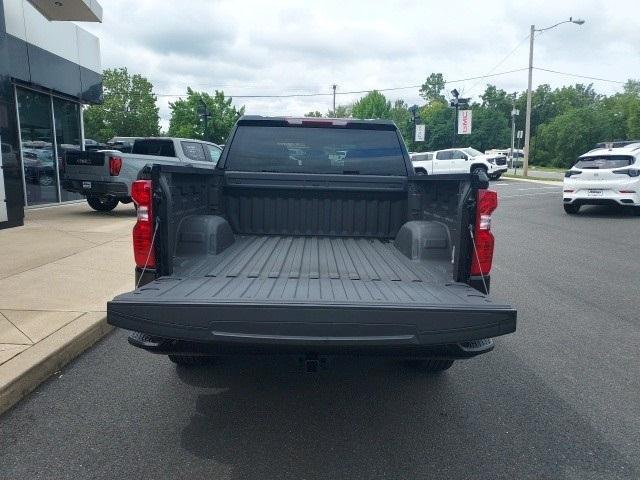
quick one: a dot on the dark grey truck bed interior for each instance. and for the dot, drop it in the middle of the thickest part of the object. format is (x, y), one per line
(294, 258)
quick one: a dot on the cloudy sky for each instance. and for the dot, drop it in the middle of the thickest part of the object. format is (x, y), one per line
(292, 47)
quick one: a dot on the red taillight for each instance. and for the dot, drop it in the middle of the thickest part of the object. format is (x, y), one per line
(143, 230)
(627, 191)
(487, 202)
(115, 164)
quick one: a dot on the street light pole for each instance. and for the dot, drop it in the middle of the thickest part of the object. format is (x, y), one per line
(414, 110)
(527, 122)
(527, 126)
(455, 103)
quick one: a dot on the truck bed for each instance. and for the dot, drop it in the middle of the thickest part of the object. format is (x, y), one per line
(311, 289)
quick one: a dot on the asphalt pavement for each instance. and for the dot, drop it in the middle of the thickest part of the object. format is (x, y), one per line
(558, 399)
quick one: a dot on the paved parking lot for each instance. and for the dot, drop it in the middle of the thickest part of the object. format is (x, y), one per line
(558, 399)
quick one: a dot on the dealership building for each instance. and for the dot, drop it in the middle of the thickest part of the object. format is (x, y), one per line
(49, 69)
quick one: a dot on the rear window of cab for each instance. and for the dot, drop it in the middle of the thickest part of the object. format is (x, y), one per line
(605, 161)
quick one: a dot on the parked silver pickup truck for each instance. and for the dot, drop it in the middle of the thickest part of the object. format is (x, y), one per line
(105, 176)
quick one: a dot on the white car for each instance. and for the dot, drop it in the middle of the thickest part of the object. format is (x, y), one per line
(459, 160)
(604, 176)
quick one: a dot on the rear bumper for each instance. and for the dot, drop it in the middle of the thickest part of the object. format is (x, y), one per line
(625, 191)
(113, 189)
(166, 346)
(327, 328)
(610, 199)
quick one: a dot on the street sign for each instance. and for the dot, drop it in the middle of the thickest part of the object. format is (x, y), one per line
(464, 122)
(515, 112)
(419, 133)
(520, 132)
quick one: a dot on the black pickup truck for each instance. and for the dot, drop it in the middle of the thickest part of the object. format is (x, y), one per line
(312, 237)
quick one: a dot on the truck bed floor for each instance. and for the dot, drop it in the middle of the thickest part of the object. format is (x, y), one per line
(287, 269)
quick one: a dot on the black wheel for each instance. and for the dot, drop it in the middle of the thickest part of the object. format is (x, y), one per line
(191, 360)
(421, 171)
(102, 204)
(478, 170)
(432, 365)
(635, 211)
(496, 176)
(46, 180)
(571, 209)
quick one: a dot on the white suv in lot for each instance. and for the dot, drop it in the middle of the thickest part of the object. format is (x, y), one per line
(459, 160)
(604, 176)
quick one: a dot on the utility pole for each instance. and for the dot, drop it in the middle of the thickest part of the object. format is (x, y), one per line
(514, 112)
(527, 125)
(334, 99)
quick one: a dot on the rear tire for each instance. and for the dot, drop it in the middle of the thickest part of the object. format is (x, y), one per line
(421, 171)
(431, 365)
(496, 176)
(191, 360)
(46, 180)
(102, 204)
(571, 209)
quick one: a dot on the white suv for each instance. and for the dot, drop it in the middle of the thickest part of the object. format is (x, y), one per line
(604, 176)
(459, 160)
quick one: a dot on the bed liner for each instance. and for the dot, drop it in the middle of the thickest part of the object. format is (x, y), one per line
(301, 289)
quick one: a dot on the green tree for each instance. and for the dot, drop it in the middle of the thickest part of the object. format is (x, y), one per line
(431, 89)
(572, 133)
(128, 109)
(342, 111)
(372, 105)
(497, 99)
(438, 125)
(401, 116)
(490, 129)
(187, 119)
(315, 114)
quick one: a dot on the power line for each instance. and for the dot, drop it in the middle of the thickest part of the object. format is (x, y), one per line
(352, 92)
(579, 76)
(503, 60)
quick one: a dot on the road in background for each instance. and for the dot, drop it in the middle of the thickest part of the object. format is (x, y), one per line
(558, 399)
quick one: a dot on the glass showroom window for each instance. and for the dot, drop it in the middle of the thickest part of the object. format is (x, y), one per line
(38, 159)
(49, 128)
(67, 123)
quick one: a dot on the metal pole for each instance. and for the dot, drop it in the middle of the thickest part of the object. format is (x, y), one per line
(527, 125)
(455, 127)
(56, 159)
(515, 168)
(513, 125)
(334, 99)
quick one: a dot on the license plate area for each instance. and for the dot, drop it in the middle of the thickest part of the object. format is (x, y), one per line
(595, 192)
(86, 185)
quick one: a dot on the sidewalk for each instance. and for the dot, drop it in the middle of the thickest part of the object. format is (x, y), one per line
(543, 174)
(56, 275)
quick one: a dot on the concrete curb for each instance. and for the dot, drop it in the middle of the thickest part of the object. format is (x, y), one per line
(21, 375)
(543, 182)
